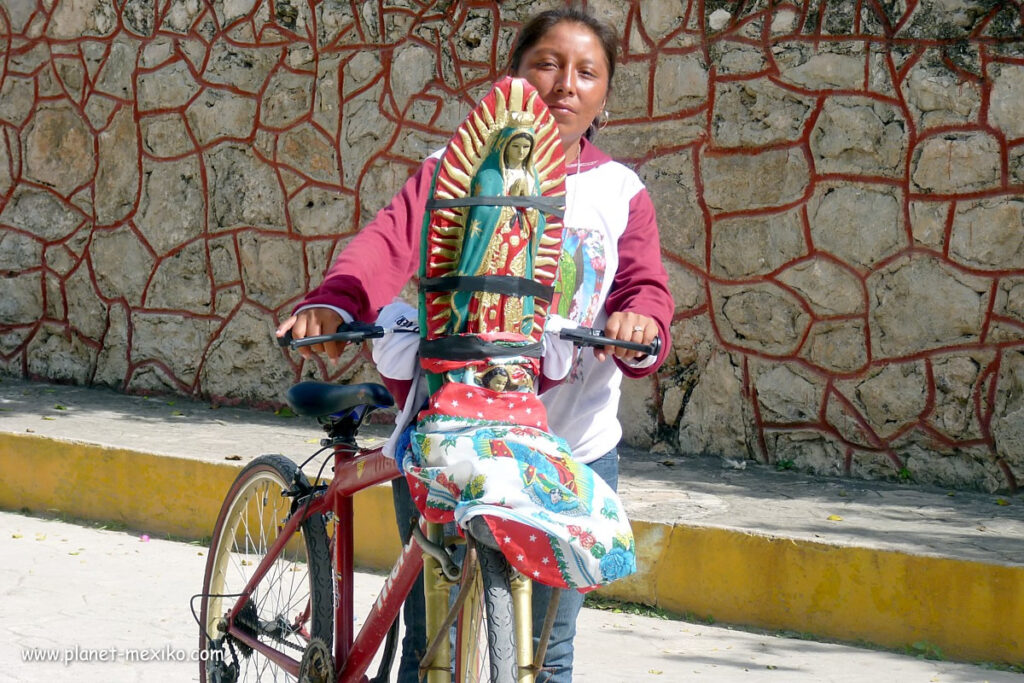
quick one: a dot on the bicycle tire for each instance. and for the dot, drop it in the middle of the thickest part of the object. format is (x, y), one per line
(492, 591)
(471, 660)
(295, 595)
(501, 620)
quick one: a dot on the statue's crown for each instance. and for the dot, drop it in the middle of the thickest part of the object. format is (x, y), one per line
(521, 119)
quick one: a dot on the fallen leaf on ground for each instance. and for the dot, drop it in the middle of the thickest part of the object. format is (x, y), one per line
(835, 518)
(232, 457)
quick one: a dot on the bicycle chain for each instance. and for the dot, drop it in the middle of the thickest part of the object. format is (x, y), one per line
(242, 618)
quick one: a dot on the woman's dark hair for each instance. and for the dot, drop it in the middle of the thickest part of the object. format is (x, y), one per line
(537, 27)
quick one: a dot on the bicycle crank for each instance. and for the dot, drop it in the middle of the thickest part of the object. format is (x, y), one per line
(317, 665)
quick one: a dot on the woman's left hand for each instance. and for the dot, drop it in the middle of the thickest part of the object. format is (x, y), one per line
(627, 326)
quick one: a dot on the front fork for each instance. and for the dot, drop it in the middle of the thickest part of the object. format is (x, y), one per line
(441, 612)
(522, 601)
(436, 589)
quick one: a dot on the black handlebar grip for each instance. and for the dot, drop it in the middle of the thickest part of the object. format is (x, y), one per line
(655, 346)
(351, 332)
(587, 336)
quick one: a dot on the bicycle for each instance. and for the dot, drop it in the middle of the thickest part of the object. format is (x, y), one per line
(277, 591)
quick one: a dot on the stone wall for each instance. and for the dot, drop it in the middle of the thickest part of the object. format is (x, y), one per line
(840, 189)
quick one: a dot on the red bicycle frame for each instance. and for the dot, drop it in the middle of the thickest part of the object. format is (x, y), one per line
(354, 470)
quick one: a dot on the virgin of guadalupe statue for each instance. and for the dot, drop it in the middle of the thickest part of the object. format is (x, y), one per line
(493, 231)
(500, 240)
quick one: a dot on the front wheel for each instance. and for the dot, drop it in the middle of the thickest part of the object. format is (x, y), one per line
(291, 605)
(486, 643)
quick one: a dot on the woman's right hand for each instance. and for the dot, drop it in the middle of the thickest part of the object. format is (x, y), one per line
(310, 323)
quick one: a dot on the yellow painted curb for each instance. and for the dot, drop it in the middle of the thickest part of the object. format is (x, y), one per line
(158, 494)
(966, 610)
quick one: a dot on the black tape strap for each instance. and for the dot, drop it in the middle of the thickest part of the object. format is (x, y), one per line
(473, 348)
(508, 285)
(554, 206)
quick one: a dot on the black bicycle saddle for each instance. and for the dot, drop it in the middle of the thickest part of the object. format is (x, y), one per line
(320, 399)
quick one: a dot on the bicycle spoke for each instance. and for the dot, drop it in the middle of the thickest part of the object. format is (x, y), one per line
(292, 601)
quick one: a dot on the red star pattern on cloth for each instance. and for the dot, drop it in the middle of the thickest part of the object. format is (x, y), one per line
(476, 403)
(529, 550)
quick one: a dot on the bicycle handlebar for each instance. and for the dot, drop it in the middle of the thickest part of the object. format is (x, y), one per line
(359, 332)
(588, 336)
(347, 333)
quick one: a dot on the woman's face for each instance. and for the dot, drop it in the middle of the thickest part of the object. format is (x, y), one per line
(570, 71)
(517, 150)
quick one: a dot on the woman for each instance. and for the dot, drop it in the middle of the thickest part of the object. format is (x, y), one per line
(569, 57)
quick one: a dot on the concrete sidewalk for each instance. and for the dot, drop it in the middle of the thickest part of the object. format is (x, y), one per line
(897, 566)
(71, 592)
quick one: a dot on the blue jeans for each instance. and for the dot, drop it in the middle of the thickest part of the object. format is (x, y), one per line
(559, 656)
